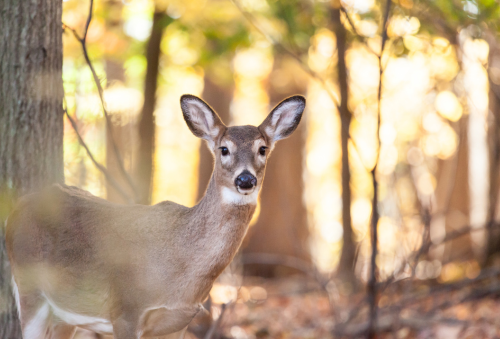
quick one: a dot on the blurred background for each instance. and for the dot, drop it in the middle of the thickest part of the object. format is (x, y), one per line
(403, 97)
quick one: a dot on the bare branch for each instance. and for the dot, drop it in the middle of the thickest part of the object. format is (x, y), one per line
(253, 21)
(99, 166)
(372, 282)
(215, 324)
(285, 260)
(336, 100)
(356, 32)
(87, 24)
(463, 231)
(100, 90)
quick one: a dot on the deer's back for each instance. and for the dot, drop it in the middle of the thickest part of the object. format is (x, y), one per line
(73, 245)
(63, 223)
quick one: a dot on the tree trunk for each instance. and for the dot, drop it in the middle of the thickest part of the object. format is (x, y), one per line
(281, 228)
(122, 131)
(493, 246)
(31, 117)
(219, 97)
(346, 265)
(452, 200)
(144, 167)
(125, 137)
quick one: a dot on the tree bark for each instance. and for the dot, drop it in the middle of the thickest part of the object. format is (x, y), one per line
(144, 167)
(281, 228)
(31, 117)
(346, 265)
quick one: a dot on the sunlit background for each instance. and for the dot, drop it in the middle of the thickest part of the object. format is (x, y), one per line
(434, 92)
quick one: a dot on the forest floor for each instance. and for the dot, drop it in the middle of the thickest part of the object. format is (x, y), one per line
(299, 308)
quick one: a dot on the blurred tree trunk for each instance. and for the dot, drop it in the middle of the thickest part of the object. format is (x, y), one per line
(219, 97)
(122, 127)
(125, 137)
(281, 227)
(31, 117)
(347, 257)
(493, 246)
(145, 153)
(452, 199)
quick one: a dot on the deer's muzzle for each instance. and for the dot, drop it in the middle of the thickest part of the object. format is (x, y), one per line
(245, 180)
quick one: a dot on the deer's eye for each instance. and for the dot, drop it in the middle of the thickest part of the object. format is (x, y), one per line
(262, 150)
(224, 151)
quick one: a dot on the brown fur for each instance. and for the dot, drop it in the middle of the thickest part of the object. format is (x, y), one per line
(143, 269)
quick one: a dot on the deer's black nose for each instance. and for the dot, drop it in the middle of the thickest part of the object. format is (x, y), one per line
(246, 180)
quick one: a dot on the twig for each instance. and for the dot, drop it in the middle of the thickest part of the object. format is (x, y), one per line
(253, 21)
(292, 262)
(390, 318)
(215, 324)
(356, 32)
(285, 260)
(463, 231)
(391, 322)
(426, 239)
(415, 298)
(100, 167)
(82, 40)
(372, 283)
(340, 327)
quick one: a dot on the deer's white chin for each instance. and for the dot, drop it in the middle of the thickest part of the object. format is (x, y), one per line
(245, 191)
(239, 196)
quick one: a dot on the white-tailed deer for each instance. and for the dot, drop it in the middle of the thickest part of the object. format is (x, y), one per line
(139, 271)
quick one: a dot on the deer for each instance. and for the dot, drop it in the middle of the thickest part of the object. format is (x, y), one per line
(137, 271)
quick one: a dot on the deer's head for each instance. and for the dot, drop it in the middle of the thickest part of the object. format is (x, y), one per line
(241, 152)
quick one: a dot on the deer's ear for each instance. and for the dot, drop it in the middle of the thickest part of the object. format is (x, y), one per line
(283, 119)
(201, 118)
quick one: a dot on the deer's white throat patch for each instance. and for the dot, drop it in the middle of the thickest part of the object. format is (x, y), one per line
(231, 197)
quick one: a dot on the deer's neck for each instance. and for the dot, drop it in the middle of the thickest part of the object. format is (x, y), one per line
(215, 213)
(219, 226)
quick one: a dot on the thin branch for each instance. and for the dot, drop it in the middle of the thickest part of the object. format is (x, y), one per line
(87, 24)
(215, 324)
(464, 231)
(356, 32)
(292, 262)
(412, 299)
(426, 238)
(285, 260)
(100, 90)
(253, 21)
(372, 283)
(99, 166)
(393, 322)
